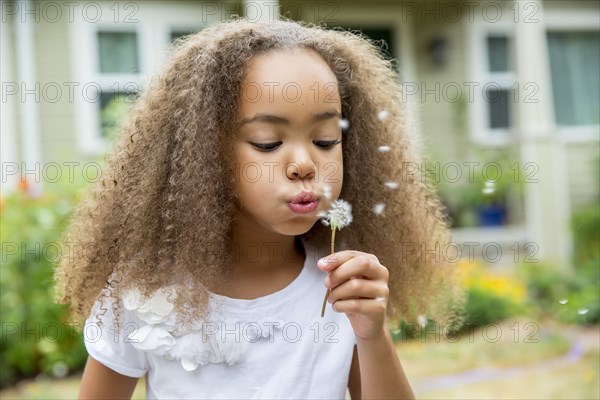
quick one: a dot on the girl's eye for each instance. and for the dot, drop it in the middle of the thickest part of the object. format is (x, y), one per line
(266, 146)
(324, 144)
(327, 144)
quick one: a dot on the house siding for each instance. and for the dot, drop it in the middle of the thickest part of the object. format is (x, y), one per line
(54, 74)
(582, 161)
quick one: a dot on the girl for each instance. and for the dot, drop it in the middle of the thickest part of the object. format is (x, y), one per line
(203, 272)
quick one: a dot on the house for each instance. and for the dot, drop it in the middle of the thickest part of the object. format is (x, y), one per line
(479, 76)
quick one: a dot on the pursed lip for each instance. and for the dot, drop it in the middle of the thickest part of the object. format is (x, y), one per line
(303, 197)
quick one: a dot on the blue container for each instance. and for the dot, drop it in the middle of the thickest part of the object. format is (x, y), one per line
(491, 215)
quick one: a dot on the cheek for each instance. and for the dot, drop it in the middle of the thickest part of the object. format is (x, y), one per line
(333, 172)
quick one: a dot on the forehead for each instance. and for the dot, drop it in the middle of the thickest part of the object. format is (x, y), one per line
(289, 65)
(288, 82)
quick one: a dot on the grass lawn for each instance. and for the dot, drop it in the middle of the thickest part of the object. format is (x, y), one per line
(505, 359)
(514, 367)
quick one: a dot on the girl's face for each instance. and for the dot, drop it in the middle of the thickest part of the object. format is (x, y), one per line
(288, 141)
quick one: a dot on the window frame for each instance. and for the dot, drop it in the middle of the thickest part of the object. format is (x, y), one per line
(572, 20)
(152, 23)
(480, 73)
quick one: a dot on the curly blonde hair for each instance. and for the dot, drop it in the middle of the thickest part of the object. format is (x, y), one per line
(162, 214)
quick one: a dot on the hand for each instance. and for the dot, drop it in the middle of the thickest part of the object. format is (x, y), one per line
(359, 288)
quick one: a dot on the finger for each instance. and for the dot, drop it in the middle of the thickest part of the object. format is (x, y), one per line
(359, 288)
(361, 265)
(334, 260)
(374, 307)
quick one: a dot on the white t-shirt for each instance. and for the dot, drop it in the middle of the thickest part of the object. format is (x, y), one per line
(273, 347)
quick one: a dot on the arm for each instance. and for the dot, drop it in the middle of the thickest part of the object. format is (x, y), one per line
(101, 382)
(360, 289)
(354, 378)
(381, 375)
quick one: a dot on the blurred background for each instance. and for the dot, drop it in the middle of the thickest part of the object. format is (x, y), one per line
(504, 103)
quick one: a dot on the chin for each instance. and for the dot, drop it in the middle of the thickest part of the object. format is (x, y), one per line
(297, 228)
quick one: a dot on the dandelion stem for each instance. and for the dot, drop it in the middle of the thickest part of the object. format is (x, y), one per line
(327, 292)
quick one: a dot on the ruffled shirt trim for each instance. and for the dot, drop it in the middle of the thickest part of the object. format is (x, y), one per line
(202, 346)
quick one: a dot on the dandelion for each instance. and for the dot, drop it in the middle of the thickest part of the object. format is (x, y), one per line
(422, 321)
(563, 301)
(392, 185)
(344, 123)
(378, 208)
(339, 216)
(384, 149)
(383, 114)
(582, 311)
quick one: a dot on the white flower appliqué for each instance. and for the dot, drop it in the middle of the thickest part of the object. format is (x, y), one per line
(205, 344)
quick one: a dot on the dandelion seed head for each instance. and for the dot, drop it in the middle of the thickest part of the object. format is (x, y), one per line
(582, 311)
(378, 208)
(383, 114)
(384, 149)
(392, 185)
(422, 321)
(344, 123)
(563, 301)
(338, 216)
(488, 190)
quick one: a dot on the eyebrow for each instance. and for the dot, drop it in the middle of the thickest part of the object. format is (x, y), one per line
(274, 119)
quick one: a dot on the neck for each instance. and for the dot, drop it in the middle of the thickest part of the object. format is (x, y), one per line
(257, 249)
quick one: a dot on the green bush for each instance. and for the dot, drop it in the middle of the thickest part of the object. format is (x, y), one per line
(583, 295)
(483, 308)
(546, 285)
(585, 225)
(36, 337)
(583, 306)
(571, 296)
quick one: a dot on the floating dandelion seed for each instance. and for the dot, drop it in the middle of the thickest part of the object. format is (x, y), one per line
(327, 192)
(383, 114)
(490, 187)
(384, 149)
(422, 321)
(582, 311)
(392, 185)
(344, 123)
(378, 208)
(60, 369)
(563, 301)
(339, 216)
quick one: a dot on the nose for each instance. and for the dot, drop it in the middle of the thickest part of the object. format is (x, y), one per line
(301, 166)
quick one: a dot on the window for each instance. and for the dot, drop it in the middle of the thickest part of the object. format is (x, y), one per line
(574, 65)
(385, 35)
(180, 33)
(384, 39)
(115, 56)
(497, 47)
(118, 57)
(494, 93)
(497, 88)
(118, 52)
